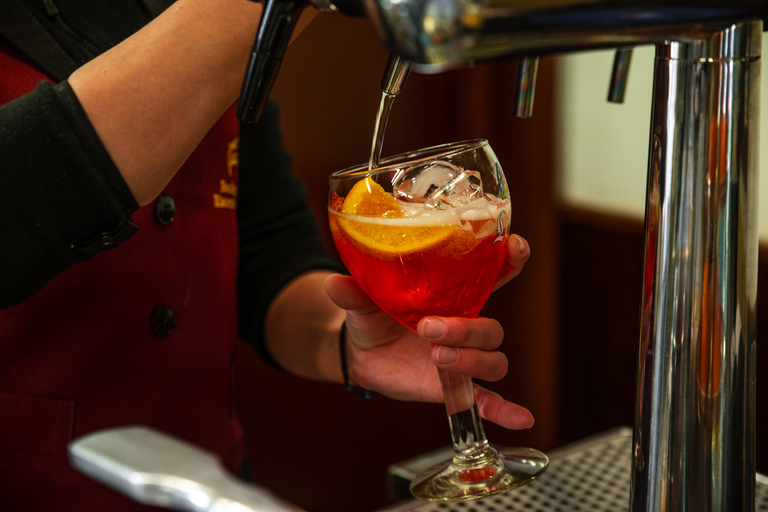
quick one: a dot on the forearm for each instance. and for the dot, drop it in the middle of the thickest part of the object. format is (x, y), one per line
(152, 98)
(302, 329)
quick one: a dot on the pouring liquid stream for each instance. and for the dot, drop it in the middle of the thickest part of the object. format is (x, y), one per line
(382, 116)
(391, 84)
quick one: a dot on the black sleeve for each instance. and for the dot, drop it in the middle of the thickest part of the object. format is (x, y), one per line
(61, 197)
(279, 237)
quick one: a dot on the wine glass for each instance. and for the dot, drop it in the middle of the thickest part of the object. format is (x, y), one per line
(425, 234)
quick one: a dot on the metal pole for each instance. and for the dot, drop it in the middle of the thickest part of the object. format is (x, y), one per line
(694, 437)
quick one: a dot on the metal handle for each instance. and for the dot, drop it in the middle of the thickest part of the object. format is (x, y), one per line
(277, 24)
(156, 469)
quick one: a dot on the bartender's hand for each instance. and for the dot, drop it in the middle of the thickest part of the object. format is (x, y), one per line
(386, 357)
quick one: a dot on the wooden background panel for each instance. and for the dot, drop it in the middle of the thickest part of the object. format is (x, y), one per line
(600, 288)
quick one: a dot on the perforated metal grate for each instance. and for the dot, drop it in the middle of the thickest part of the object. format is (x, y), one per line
(591, 476)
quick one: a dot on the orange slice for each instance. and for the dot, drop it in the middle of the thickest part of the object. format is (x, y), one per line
(368, 198)
(374, 221)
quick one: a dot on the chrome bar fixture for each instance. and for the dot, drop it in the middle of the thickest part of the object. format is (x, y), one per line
(435, 35)
(694, 437)
(694, 433)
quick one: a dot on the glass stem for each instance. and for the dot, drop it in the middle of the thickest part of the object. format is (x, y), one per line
(469, 443)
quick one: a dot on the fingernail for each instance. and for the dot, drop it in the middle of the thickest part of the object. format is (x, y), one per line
(521, 245)
(446, 355)
(432, 328)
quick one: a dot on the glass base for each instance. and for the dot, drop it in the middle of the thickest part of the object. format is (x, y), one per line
(505, 469)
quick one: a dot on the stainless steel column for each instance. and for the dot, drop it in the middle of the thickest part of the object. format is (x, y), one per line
(694, 436)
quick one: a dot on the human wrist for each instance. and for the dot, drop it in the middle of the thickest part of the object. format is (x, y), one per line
(345, 367)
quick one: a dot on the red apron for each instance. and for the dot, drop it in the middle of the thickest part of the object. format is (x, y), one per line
(97, 347)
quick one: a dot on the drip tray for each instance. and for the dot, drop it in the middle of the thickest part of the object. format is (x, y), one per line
(590, 475)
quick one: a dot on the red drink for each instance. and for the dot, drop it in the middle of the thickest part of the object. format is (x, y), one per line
(448, 268)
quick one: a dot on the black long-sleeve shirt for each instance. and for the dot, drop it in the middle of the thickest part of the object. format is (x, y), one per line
(62, 199)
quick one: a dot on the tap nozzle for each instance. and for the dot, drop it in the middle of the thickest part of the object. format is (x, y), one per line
(395, 75)
(527, 69)
(619, 75)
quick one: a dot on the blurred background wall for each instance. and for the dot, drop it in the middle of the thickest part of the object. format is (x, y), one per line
(576, 172)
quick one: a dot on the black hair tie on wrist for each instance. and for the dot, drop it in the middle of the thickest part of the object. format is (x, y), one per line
(357, 391)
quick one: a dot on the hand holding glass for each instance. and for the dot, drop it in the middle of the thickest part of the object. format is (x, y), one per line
(425, 234)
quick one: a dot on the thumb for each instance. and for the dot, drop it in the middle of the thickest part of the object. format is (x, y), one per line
(347, 294)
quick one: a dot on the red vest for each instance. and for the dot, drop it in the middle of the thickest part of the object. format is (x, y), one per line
(83, 355)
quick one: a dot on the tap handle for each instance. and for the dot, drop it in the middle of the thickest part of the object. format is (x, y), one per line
(527, 68)
(395, 75)
(277, 23)
(154, 468)
(619, 75)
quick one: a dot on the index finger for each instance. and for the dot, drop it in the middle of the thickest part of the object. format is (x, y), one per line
(481, 333)
(518, 252)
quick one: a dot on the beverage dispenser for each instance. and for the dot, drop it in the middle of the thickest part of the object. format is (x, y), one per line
(694, 433)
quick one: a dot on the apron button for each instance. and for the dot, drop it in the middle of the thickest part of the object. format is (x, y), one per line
(165, 209)
(163, 321)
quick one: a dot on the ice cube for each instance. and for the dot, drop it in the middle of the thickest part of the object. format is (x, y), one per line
(418, 183)
(463, 189)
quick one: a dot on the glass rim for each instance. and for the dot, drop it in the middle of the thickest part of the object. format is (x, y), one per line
(412, 157)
